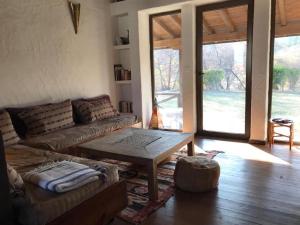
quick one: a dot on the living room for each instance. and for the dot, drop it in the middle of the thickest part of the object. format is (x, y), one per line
(178, 111)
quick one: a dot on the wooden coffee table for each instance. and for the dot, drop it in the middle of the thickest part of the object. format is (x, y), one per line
(140, 146)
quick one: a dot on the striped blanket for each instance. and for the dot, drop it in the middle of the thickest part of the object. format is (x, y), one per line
(62, 176)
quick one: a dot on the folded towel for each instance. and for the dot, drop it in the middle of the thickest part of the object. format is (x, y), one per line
(62, 176)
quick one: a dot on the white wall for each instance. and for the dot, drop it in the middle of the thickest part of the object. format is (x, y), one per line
(260, 73)
(41, 58)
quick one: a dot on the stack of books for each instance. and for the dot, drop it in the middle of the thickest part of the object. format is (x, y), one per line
(121, 73)
(125, 107)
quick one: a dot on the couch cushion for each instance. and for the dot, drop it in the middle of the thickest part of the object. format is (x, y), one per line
(9, 134)
(99, 108)
(45, 118)
(44, 206)
(63, 139)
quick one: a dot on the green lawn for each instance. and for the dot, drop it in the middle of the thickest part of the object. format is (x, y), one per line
(230, 106)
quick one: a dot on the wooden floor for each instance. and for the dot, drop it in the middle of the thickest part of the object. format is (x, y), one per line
(257, 186)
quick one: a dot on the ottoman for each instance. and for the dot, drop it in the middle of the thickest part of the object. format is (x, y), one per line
(196, 174)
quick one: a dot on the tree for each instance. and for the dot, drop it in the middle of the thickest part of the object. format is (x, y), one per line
(279, 77)
(222, 56)
(212, 79)
(293, 76)
(167, 69)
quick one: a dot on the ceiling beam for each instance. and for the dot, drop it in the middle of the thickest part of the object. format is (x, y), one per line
(291, 29)
(207, 28)
(227, 20)
(175, 43)
(176, 19)
(164, 27)
(282, 12)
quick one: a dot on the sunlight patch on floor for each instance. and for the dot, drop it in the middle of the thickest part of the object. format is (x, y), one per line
(243, 150)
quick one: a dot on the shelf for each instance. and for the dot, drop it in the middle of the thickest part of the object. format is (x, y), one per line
(121, 47)
(123, 81)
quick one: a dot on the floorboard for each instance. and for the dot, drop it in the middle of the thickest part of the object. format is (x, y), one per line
(258, 185)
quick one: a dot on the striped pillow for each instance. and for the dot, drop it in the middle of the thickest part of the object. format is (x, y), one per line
(9, 134)
(46, 118)
(84, 111)
(98, 108)
(103, 107)
(15, 180)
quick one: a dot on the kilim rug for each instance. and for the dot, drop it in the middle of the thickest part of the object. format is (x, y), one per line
(139, 207)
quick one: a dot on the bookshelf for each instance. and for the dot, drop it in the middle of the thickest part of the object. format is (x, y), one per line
(122, 64)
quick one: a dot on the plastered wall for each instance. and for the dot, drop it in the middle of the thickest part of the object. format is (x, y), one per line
(41, 58)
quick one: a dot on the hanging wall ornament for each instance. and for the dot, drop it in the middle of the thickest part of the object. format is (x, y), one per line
(75, 13)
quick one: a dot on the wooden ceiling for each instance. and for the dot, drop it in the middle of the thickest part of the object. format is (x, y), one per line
(225, 25)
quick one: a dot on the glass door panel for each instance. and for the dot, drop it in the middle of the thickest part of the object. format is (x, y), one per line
(166, 67)
(286, 64)
(223, 69)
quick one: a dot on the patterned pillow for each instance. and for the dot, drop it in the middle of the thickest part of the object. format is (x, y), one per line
(103, 107)
(84, 111)
(15, 180)
(9, 134)
(92, 109)
(46, 118)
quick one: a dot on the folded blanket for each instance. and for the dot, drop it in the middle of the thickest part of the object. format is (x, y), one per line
(62, 176)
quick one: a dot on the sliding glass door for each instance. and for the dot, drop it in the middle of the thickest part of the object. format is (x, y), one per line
(285, 67)
(224, 36)
(165, 36)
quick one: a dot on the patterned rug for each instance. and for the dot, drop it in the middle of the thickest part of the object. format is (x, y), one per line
(139, 207)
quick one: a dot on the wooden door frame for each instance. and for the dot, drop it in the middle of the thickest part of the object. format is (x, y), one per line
(271, 61)
(152, 55)
(199, 80)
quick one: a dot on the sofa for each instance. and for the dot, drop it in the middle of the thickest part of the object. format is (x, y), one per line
(34, 136)
(80, 124)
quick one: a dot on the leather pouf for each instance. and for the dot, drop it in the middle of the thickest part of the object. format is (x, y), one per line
(196, 174)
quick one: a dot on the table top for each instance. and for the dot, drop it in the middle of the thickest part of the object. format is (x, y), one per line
(137, 143)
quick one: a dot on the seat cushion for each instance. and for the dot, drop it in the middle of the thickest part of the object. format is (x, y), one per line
(63, 139)
(9, 134)
(46, 118)
(41, 206)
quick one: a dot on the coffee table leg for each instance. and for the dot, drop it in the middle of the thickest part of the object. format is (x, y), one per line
(191, 150)
(152, 181)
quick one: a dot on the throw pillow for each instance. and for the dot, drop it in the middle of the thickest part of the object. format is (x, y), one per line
(9, 134)
(46, 118)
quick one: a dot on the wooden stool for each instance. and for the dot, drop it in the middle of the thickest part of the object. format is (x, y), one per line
(273, 134)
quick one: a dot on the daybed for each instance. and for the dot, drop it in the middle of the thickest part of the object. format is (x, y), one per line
(94, 203)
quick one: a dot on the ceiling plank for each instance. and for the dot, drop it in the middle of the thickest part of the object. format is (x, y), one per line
(282, 12)
(156, 35)
(164, 27)
(207, 27)
(227, 20)
(175, 20)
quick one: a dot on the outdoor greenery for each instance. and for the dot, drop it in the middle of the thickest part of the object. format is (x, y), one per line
(224, 79)
(285, 78)
(212, 79)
